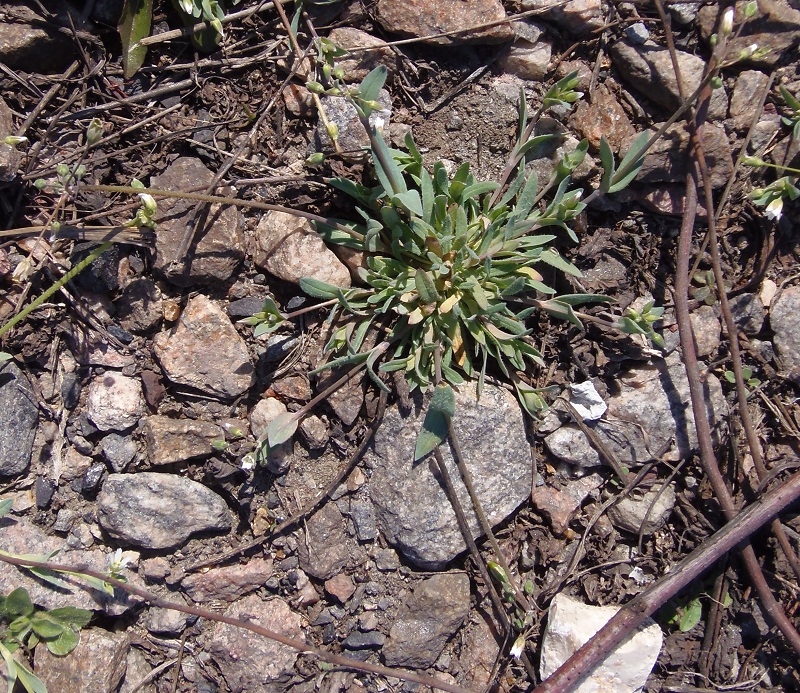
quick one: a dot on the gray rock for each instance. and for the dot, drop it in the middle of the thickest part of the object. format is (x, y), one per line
(748, 313)
(569, 444)
(315, 432)
(137, 671)
(205, 352)
(427, 620)
(167, 621)
(250, 662)
(114, 402)
(21, 537)
(352, 137)
(346, 402)
(217, 247)
(637, 33)
(98, 663)
(748, 84)
(139, 306)
(666, 161)
(528, 60)
(326, 549)
(413, 511)
(364, 641)
(288, 247)
(31, 44)
(784, 317)
(118, 450)
(359, 64)
(657, 399)
(159, 511)
(19, 415)
(706, 329)
(362, 513)
(645, 512)
(683, 12)
(229, 583)
(420, 18)
(578, 17)
(648, 68)
(178, 440)
(650, 417)
(775, 27)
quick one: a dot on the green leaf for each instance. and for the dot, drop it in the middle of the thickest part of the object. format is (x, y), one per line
(64, 643)
(435, 426)
(319, 289)
(425, 287)
(527, 197)
(133, 26)
(32, 683)
(409, 201)
(71, 616)
(19, 602)
(5, 505)
(578, 299)
(11, 667)
(389, 174)
(607, 159)
(477, 189)
(634, 158)
(5, 356)
(552, 258)
(281, 429)
(562, 311)
(691, 616)
(372, 84)
(45, 627)
(535, 142)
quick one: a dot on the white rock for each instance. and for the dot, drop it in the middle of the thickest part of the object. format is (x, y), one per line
(115, 402)
(768, 290)
(570, 624)
(528, 60)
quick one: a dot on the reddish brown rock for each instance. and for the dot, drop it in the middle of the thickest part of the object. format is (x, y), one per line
(424, 18)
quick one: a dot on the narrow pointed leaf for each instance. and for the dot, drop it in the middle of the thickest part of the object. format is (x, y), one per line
(133, 26)
(435, 426)
(281, 429)
(425, 287)
(319, 289)
(607, 159)
(372, 84)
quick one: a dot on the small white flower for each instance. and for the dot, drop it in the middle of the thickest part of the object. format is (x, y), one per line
(726, 25)
(518, 647)
(774, 209)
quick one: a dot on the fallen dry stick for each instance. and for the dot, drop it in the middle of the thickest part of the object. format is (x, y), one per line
(630, 616)
(152, 599)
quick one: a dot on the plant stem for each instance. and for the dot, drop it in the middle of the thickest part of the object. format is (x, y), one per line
(33, 305)
(217, 199)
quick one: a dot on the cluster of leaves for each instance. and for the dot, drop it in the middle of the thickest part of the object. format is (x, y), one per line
(773, 196)
(137, 18)
(453, 265)
(26, 626)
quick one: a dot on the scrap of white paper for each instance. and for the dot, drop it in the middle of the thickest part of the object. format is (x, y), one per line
(587, 401)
